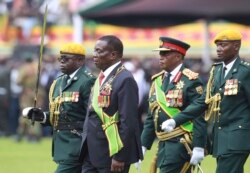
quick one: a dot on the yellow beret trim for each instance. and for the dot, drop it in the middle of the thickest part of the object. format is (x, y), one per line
(228, 35)
(72, 48)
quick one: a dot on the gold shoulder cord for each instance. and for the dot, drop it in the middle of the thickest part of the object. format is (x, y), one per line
(212, 101)
(152, 105)
(52, 104)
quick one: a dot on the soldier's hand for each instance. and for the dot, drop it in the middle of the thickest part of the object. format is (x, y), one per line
(168, 125)
(197, 155)
(117, 166)
(138, 163)
(36, 112)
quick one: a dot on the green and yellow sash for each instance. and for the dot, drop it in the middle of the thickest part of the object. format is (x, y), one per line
(109, 123)
(170, 111)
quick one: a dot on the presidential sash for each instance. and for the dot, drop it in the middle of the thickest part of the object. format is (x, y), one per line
(109, 123)
(170, 111)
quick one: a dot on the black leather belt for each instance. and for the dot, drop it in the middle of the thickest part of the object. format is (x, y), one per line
(78, 125)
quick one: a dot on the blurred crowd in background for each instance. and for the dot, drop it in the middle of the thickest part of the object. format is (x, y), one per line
(18, 76)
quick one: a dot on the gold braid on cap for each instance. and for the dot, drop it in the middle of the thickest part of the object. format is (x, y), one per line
(212, 101)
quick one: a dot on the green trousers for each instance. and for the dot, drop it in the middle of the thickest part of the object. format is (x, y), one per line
(231, 163)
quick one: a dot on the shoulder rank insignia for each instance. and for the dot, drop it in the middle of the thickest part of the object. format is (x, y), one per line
(217, 63)
(190, 74)
(245, 63)
(88, 73)
(60, 76)
(156, 75)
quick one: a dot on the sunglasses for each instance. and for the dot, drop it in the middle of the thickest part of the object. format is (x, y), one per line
(65, 58)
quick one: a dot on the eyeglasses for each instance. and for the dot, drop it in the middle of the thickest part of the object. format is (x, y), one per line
(65, 58)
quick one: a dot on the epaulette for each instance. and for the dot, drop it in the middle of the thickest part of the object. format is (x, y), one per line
(156, 75)
(245, 63)
(61, 75)
(190, 74)
(88, 73)
(217, 63)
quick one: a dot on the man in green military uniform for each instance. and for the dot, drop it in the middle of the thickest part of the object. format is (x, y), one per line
(68, 99)
(171, 91)
(227, 104)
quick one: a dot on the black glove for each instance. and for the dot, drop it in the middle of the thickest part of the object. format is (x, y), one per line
(36, 112)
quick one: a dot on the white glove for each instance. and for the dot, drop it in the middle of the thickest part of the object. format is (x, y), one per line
(138, 164)
(144, 149)
(197, 155)
(168, 125)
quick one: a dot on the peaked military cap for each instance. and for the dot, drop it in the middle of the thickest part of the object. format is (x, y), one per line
(170, 44)
(228, 35)
(72, 48)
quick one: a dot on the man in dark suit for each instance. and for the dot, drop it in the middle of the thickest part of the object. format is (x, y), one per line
(113, 135)
(173, 89)
(68, 99)
(227, 104)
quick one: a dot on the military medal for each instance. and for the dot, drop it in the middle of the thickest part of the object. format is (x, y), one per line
(106, 89)
(231, 87)
(180, 85)
(100, 101)
(180, 98)
(75, 97)
(105, 92)
(176, 93)
(169, 97)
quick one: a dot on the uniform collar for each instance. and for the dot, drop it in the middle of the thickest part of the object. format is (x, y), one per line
(174, 72)
(73, 74)
(228, 66)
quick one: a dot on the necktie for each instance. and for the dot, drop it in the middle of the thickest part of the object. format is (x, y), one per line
(166, 81)
(65, 80)
(223, 73)
(101, 77)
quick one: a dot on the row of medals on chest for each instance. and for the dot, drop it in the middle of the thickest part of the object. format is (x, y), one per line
(174, 97)
(231, 87)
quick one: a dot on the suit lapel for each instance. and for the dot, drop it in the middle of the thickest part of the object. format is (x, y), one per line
(112, 73)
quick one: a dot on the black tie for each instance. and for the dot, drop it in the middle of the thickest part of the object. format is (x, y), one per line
(65, 80)
(223, 73)
(166, 82)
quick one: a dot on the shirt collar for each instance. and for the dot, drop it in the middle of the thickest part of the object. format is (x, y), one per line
(110, 69)
(73, 74)
(230, 65)
(175, 71)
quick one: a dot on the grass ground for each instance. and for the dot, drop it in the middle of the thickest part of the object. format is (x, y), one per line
(24, 157)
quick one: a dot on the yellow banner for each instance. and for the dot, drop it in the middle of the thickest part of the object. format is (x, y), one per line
(137, 41)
